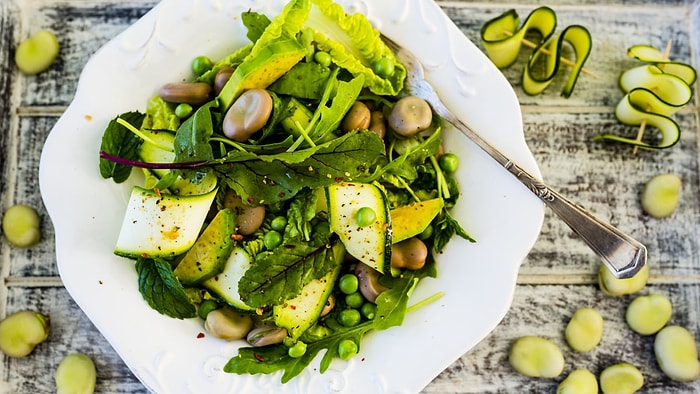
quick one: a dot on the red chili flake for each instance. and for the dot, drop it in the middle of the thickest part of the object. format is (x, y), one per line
(280, 194)
(339, 179)
(293, 307)
(88, 117)
(145, 255)
(157, 192)
(200, 335)
(237, 237)
(259, 358)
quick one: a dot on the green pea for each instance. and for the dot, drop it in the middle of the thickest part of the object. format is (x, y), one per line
(76, 374)
(278, 223)
(384, 67)
(272, 239)
(201, 64)
(297, 350)
(349, 317)
(37, 53)
(205, 307)
(621, 378)
(426, 234)
(354, 300)
(368, 310)
(316, 333)
(323, 58)
(347, 348)
(449, 162)
(349, 283)
(183, 110)
(365, 216)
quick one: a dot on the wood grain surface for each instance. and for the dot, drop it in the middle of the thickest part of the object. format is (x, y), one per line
(556, 278)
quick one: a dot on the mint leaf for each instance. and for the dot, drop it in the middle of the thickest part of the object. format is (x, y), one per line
(280, 274)
(161, 289)
(445, 227)
(118, 141)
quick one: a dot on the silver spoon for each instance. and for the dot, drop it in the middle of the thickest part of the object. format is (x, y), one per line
(622, 254)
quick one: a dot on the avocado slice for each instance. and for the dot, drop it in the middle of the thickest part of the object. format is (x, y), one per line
(209, 253)
(412, 219)
(258, 72)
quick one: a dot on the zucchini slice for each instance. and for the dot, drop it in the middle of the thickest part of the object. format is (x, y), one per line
(370, 243)
(161, 225)
(225, 284)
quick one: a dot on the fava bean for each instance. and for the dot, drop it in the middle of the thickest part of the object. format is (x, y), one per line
(248, 218)
(677, 353)
(357, 118)
(221, 78)
(248, 114)
(612, 286)
(621, 378)
(37, 53)
(193, 93)
(648, 314)
(579, 381)
(22, 331)
(410, 116)
(377, 124)
(266, 335)
(225, 323)
(585, 329)
(409, 254)
(536, 357)
(20, 224)
(76, 374)
(661, 194)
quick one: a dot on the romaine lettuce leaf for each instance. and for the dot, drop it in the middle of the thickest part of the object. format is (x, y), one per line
(354, 45)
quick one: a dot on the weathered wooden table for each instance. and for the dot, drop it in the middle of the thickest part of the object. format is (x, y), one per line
(557, 277)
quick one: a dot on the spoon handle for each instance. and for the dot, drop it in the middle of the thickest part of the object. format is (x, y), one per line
(622, 254)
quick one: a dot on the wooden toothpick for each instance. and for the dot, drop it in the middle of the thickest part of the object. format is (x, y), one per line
(643, 125)
(564, 60)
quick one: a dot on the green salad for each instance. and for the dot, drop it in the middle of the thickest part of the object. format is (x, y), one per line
(292, 196)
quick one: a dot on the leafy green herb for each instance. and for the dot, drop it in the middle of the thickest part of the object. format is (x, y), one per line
(271, 359)
(256, 23)
(119, 141)
(192, 137)
(272, 178)
(161, 289)
(299, 215)
(445, 228)
(304, 80)
(280, 274)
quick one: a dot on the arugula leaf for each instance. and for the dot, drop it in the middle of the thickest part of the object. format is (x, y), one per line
(118, 141)
(392, 303)
(346, 94)
(161, 289)
(280, 274)
(273, 178)
(192, 137)
(275, 358)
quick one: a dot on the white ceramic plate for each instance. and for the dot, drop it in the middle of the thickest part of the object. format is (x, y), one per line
(478, 279)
